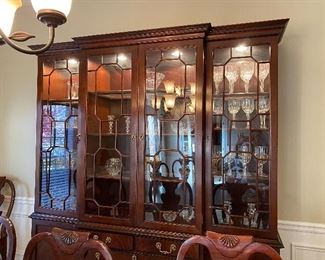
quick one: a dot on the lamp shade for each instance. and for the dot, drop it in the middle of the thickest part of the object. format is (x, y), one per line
(7, 14)
(63, 6)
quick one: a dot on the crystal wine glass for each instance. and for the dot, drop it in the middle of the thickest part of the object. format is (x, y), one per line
(110, 119)
(231, 74)
(251, 212)
(227, 208)
(217, 106)
(233, 107)
(261, 154)
(217, 78)
(248, 106)
(246, 73)
(245, 156)
(263, 107)
(263, 72)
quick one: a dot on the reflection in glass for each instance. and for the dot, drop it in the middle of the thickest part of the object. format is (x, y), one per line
(110, 119)
(263, 107)
(230, 159)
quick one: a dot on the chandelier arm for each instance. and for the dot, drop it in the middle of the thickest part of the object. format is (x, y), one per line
(28, 51)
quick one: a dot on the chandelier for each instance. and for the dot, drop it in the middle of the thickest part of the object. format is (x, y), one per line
(50, 12)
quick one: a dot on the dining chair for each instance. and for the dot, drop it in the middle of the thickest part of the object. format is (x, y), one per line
(8, 228)
(230, 247)
(67, 245)
(5, 210)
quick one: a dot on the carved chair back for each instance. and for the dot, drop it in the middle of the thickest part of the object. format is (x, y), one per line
(223, 246)
(67, 245)
(9, 229)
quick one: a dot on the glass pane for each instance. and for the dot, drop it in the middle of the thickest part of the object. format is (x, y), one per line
(109, 130)
(170, 135)
(59, 135)
(240, 144)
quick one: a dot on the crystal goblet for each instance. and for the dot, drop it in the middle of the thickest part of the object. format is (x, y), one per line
(264, 70)
(246, 73)
(261, 154)
(217, 78)
(245, 157)
(231, 74)
(110, 119)
(263, 107)
(233, 107)
(248, 106)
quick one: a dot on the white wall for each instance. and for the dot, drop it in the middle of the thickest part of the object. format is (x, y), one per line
(301, 83)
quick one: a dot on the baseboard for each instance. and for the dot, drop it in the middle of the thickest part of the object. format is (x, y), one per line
(302, 241)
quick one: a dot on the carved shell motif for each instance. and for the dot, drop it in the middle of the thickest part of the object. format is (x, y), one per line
(69, 238)
(229, 241)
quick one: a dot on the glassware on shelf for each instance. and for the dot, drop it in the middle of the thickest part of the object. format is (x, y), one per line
(217, 106)
(110, 119)
(251, 212)
(264, 71)
(246, 73)
(227, 208)
(113, 166)
(169, 215)
(230, 159)
(73, 90)
(233, 107)
(187, 213)
(127, 124)
(248, 106)
(217, 78)
(261, 153)
(216, 151)
(245, 157)
(263, 107)
(231, 74)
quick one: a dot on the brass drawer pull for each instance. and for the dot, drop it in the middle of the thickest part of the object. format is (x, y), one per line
(141, 137)
(134, 257)
(96, 237)
(171, 249)
(108, 240)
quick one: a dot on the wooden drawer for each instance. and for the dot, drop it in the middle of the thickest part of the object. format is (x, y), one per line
(115, 241)
(163, 247)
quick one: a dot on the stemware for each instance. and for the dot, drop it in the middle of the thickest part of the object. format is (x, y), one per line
(263, 107)
(248, 106)
(150, 79)
(263, 72)
(227, 208)
(231, 74)
(110, 123)
(251, 212)
(233, 107)
(245, 157)
(261, 154)
(217, 78)
(217, 106)
(246, 73)
(127, 124)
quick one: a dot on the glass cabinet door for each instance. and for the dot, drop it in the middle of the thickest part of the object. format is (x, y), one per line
(59, 134)
(170, 112)
(109, 162)
(239, 150)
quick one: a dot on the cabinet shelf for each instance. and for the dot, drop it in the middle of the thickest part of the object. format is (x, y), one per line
(113, 94)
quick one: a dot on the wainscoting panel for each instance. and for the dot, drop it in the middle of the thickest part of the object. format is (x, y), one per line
(302, 241)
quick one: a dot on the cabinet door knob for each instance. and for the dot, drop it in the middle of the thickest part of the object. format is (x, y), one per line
(134, 257)
(141, 137)
(165, 252)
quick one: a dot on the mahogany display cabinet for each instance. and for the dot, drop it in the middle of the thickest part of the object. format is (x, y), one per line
(146, 138)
